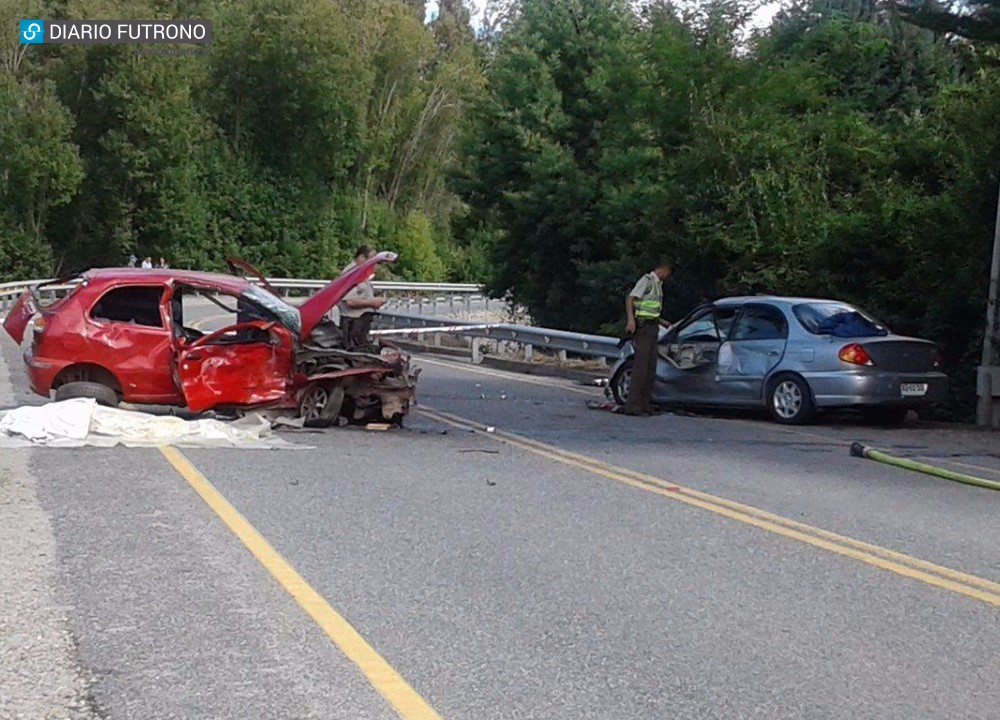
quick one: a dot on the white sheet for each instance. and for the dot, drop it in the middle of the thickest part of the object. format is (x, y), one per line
(82, 422)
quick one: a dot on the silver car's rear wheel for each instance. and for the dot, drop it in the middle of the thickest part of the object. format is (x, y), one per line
(790, 400)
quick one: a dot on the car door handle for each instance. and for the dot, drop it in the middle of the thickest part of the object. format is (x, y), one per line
(194, 356)
(773, 353)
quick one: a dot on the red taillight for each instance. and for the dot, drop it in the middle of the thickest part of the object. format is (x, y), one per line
(37, 328)
(855, 354)
(938, 360)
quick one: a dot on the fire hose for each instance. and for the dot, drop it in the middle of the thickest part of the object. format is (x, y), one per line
(863, 451)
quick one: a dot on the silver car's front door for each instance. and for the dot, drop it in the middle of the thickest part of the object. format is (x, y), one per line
(686, 369)
(755, 346)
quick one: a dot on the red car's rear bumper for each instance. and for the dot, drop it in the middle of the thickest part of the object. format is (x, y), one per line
(41, 371)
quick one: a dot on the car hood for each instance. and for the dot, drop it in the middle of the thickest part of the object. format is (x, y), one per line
(315, 308)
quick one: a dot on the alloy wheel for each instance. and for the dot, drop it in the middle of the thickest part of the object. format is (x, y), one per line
(788, 399)
(624, 383)
(314, 402)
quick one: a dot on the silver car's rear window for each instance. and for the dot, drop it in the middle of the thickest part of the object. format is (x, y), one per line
(838, 320)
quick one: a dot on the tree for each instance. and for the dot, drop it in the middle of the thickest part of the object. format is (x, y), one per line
(40, 171)
(975, 20)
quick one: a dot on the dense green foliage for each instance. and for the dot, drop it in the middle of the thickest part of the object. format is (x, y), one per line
(309, 127)
(842, 152)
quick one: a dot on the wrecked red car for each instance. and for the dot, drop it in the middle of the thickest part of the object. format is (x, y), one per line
(123, 335)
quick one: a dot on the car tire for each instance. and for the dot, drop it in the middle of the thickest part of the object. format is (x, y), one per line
(620, 383)
(103, 394)
(320, 404)
(790, 400)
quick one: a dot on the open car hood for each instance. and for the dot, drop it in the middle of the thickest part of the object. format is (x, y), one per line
(313, 309)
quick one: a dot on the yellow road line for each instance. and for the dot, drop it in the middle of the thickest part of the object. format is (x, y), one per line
(505, 376)
(389, 683)
(899, 563)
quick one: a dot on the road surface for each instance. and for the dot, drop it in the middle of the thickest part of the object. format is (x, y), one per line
(510, 554)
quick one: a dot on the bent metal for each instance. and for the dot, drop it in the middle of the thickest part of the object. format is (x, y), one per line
(128, 32)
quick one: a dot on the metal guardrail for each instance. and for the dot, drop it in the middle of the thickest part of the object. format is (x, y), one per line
(530, 337)
(10, 292)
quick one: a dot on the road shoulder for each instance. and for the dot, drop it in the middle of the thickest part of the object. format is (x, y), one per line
(40, 673)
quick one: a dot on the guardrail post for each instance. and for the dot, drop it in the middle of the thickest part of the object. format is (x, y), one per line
(477, 351)
(529, 352)
(436, 340)
(562, 356)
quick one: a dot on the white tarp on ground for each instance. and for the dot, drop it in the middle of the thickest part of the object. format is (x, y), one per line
(82, 422)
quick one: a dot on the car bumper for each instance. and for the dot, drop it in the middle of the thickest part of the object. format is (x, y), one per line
(840, 389)
(41, 372)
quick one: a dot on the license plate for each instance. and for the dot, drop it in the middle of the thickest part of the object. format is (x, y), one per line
(913, 389)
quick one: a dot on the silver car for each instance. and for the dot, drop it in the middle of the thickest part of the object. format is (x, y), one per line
(793, 356)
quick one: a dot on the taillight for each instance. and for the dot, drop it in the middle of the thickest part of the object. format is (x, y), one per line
(855, 354)
(37, 328)
(938, 360)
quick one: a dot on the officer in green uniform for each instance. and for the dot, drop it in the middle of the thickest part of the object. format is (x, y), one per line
(643, 306)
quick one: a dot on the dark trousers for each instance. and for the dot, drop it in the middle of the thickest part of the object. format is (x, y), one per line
(356, 329)
(640, 389)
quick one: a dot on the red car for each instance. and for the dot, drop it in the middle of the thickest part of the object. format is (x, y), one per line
(121, 334)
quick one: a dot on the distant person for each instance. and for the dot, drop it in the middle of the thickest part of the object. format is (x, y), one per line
(132, 260)
(147, 264)
(357, 309)
(163, 264)
(643, 306)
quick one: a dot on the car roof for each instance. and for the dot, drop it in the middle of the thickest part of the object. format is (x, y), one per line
(774, 299)
(223, 282)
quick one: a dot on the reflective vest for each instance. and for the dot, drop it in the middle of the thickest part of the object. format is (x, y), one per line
(651, 303)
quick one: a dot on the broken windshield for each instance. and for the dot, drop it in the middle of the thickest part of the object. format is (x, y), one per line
(286, 314)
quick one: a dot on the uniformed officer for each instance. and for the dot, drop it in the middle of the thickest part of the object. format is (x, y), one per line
(643, 306)
(357, 309)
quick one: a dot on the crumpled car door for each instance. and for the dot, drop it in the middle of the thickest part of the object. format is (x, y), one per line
(755, 346)
(245, 364)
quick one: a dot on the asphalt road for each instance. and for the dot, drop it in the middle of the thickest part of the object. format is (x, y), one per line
(639, 577)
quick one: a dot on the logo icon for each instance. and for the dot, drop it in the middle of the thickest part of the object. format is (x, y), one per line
(32, 32)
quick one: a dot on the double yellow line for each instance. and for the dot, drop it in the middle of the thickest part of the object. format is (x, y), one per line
(880, 557)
